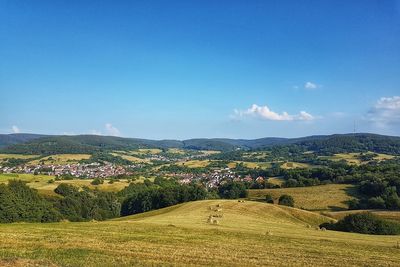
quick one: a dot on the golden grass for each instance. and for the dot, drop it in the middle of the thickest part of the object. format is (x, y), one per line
(176, 151)
(251, 165)
(194, 163)
(317, 198)
(48, 189)
(276, 180)
(147, 151)
(5, 177)
(16, 156)
(352, 158)
(210, 152)
(294, 165)
(40, 183)
(249, 234)
(131, 158)
(61, 159)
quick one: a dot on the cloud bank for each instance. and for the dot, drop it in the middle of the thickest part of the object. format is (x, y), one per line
(264, 112)
(111, 130)
(310, 85)
(385, 111)
(15, 129)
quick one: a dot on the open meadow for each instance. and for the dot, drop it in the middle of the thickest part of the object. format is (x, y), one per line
(41, 183)
(246, 234)
(329, 197)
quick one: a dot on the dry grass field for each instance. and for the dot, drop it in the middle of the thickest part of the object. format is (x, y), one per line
(247, 234)
(40, 183)
(316, 198)
(61, 159)
(131, 158)
(276, 180)
(294, 165)
(16, 156)
(353, 158)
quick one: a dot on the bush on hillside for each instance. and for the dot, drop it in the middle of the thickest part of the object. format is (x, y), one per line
(286, 200)
(20, 203)
(364, 223)
(97, 181)
(232, 190)
(269, 199)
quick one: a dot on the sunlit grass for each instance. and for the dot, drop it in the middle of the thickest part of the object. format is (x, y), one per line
(248, 234)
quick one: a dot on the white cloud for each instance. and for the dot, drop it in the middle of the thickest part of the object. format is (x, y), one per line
(385, 111)
(15, 129)
(266, 113)
(111, 130)
(310, 85)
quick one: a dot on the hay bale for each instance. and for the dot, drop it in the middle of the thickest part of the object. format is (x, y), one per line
(323, 229)
(268, 233)
(218, 210)
(219, 205)
(317, 228)
(308, 226)
(215, 221)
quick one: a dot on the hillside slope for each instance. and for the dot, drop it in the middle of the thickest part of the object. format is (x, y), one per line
(11, 139)
(83, 144)
(247, 234)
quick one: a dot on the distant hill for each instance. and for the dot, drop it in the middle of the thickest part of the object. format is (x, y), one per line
(11, 139)
(42, 144)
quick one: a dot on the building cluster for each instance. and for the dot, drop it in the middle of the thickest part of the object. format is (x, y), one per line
(92, 170)
(216, 178)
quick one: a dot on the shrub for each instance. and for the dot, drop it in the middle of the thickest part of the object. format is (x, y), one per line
(376, 203)
(97, 181)
(232, 190)
(269, 199)
(364, 223)
(66, 190)
(286, 200)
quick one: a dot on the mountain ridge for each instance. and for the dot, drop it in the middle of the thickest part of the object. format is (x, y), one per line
(59, 144)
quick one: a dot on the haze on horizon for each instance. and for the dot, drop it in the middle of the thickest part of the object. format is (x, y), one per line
(187, 69)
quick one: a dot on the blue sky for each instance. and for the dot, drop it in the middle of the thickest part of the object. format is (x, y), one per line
(185, 69)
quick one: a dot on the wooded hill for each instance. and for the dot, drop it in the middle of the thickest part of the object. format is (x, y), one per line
(338, 143)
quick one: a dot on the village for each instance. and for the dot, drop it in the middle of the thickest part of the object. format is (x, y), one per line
(78, 170)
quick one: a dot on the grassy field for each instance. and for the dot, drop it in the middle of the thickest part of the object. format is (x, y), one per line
(316, 198)
(294, 165)
(131, 158)
(48, 189)
(248, 234)
(144, 151)
(251, 165)
(61, 159)
(40, 183)
(352, 158)
(276, 180)
(4, 177)
(210, 152)
(16, 156)
(194, 163)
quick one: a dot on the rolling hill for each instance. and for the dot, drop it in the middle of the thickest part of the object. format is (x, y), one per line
(247, 234)
(11, 139)
(81, 144)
